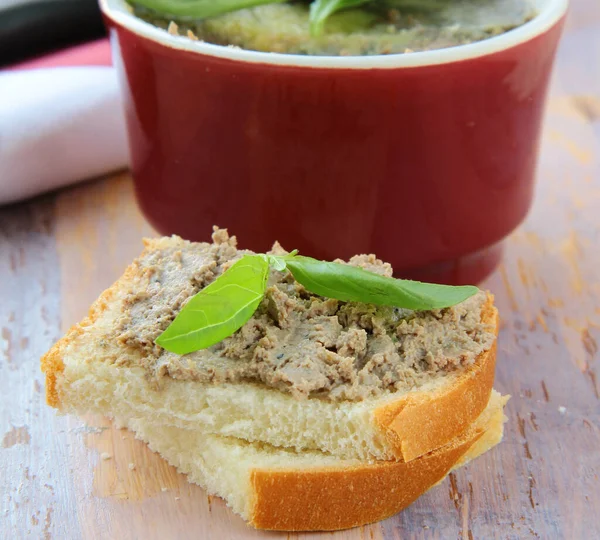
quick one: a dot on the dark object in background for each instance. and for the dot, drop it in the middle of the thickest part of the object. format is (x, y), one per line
(41, 27)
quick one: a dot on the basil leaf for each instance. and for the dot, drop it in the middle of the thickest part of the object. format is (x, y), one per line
(353, 284)
(277, 262)
(199, 9)
(219, 309)
(321, 10)
(413, 5)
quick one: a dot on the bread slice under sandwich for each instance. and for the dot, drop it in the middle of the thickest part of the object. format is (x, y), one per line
(90, 371)
(281, 489)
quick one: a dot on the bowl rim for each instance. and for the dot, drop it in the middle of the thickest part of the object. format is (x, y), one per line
(550, 14)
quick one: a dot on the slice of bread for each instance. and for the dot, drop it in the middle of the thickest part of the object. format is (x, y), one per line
(282, 489)
(88, 371)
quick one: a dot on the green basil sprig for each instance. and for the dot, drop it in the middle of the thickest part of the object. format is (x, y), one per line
(353, 284)
(224, 306)
(321, 10)
(219, 309)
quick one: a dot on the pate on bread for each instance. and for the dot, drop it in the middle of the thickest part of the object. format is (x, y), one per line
(316, 414)
(405, 394)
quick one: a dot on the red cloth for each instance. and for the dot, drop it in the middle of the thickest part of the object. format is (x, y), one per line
(94, 53)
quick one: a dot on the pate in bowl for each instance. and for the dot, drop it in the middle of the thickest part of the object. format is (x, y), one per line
(426, 157)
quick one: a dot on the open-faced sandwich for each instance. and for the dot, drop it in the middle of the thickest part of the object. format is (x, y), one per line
(310, 395)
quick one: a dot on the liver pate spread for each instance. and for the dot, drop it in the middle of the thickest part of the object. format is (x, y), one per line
(296, 342)
(412, 26)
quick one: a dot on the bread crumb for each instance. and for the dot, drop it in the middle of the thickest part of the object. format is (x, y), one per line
(173, 29)
(192, 36)
(407, 50)
(177, 498)
(105, 456)
(131, 466)
(562, 410)
(163, 489)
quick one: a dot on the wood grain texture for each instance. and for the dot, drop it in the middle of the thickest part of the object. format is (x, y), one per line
(66, 478)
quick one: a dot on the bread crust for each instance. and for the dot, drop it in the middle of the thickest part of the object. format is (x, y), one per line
(420, 422)
(283, 494)
(413, 425)
(319, 500)
(52, 363)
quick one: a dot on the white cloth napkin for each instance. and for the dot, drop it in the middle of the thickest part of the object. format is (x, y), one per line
(58, 126)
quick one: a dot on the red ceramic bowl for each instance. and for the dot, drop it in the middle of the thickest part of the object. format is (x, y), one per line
(426, 159)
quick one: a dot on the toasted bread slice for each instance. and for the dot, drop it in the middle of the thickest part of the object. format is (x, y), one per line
(282, 489)
(88, 371)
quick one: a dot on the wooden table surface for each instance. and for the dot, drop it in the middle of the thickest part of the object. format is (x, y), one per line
(58, 252)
